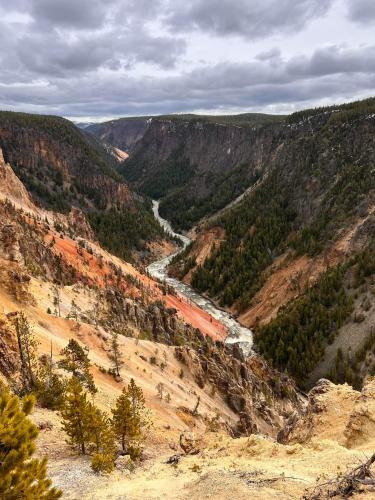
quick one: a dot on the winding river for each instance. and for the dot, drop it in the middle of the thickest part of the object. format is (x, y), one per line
(237, 333)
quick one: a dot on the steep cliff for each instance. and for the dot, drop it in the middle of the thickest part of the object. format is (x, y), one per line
(123, 133)
(198, 166)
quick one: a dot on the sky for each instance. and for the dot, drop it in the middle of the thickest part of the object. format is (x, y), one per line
(92, 60)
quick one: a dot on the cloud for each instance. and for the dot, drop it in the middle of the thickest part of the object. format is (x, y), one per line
(333, 74)
(248, 18)
(122, 57)
(361, 11)
(71, 14)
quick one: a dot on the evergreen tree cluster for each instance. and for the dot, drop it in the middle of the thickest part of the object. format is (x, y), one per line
(296, 339)
(92, 431)
(254, 234)
(21, 475)
(225, 187)
(337, 113)
(122, 231)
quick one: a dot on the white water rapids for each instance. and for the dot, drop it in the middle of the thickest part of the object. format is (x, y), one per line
(237, 333)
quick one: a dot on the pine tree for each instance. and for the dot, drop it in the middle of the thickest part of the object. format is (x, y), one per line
(56, 300)
(125, 427)
(27, 347)
(50, 387)
(129, 418)
(103, 439)
(21, 476)
(137, 399)
(116, 355)
(76, 415)
(76, 360)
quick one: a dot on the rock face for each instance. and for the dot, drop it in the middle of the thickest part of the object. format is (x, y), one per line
(123, 133)
(260, 396)
(8, 347)
(11, 187)
(216, 159)
(77, 220)
(58, 163)
(361, 423)
(335, 412)
(9, 243)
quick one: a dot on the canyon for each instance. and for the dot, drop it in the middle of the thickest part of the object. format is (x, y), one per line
(258, 430)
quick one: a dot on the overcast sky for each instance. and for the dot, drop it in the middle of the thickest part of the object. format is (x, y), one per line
(97, 59)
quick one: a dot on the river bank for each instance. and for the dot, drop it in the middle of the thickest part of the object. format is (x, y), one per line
(158, 270)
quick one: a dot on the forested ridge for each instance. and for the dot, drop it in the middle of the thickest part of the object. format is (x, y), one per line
(63, 167)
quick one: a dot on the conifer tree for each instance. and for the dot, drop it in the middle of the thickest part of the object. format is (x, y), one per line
(129, 418)
(76, 415)
(137, 399)
(27, 347)
(116, 355)
(21, 476)
(125, 427)
(50, 387)
(103, 438)
(76, 360)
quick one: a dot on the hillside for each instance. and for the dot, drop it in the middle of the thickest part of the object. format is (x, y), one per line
(311, 211)
(63, 167)
(68, 287)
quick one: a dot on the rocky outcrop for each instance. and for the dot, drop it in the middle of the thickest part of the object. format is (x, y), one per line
(157, 322)
(8, 347)
(11, 188)
(261, 397)
(335, 412)
(9, 243)
(79, 223)
(361, 423)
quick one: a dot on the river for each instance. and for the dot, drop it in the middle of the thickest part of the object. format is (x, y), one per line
(237, 333)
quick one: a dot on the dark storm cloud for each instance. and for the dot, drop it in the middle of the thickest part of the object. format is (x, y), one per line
(361, 11)
(82, 14)
(248, 18)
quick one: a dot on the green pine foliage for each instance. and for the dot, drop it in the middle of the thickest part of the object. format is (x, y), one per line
(339, 203)
(21, 476)
(254, 234)
(184, 212)
(296, 339)
(50, 387)
(88, 428)
(27, 348)
(76, 413)
(266, 223)
(76, 360)
(129, 419)
(174, 172)
(121, 232)
(337, 113)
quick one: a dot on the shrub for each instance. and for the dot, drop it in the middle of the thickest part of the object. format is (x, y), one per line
(102, 462)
